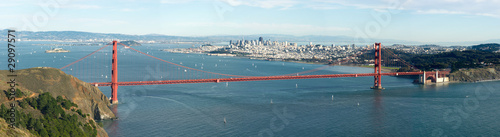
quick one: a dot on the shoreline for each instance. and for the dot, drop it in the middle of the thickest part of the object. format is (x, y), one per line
(293, 61)
(346, 65)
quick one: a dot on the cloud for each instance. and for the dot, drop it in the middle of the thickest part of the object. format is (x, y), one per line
(262, 28)
(439, 12)
(130, 10)
(464, 7)
(283, 4)
(10, 5)
(81, 6)
(174, 1)
(97, 21)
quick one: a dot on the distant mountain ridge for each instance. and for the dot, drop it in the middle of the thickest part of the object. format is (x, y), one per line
(83, 36)
(130, 43)
(102, 37)
(491, 47)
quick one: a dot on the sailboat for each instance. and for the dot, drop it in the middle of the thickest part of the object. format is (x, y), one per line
(271, 101)
(225, 120)
(332, 97)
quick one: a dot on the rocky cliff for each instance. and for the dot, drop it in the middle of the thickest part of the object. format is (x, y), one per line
(34, 81)
(479, 74)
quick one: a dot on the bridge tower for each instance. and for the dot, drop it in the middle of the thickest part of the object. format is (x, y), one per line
(378, 65)
(114, 74)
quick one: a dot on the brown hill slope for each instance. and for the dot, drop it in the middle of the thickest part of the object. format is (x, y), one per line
(478, 74)
(38, 80)
(6, 131)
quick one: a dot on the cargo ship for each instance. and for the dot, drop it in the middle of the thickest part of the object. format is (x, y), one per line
(56, 50)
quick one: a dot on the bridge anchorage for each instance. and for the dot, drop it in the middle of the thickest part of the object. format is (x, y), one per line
(202, 76)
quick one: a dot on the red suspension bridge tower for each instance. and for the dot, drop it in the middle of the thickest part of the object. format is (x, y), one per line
(378, 65)
(114, 75)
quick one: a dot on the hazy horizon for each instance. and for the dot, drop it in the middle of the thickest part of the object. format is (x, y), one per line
(420, 21)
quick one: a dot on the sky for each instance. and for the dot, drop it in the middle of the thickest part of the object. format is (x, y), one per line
(411, 20)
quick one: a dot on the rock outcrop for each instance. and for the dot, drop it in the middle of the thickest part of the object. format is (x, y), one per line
(479, 74)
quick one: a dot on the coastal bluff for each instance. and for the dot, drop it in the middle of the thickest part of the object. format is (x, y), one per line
(44, 79)
(474, 75)
(33, 82)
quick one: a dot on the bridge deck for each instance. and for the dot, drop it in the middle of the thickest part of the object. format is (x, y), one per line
(256, 78)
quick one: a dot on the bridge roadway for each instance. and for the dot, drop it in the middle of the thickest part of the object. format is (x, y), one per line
(250, 78)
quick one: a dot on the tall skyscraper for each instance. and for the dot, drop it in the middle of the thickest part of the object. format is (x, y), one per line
(261, 39)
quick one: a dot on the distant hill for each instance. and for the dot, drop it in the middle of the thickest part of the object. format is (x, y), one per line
(86, 36)
(454, 60)
(490, 47)
(130, 43)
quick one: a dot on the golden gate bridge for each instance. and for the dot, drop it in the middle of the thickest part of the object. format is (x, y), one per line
(201, 76)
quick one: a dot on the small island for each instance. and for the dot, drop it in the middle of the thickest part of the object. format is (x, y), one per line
(56, 50)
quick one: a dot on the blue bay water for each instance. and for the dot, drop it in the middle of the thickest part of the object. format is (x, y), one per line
(299, 108)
